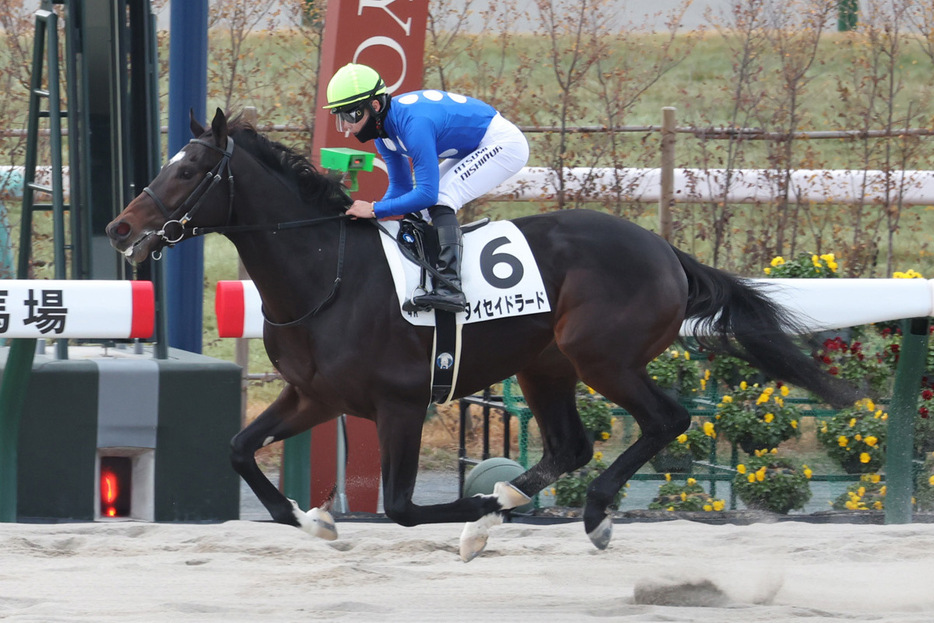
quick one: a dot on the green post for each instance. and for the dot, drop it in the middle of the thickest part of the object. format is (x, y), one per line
(296, 469)
(899, 449)
(847, 16)
(12, 398)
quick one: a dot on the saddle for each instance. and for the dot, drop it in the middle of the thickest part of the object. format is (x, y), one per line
(419, 237)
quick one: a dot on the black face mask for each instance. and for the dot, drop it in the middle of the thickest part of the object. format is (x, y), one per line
(373, 128)
(370, 130)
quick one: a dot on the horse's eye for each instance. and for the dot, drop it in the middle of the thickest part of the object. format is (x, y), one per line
(186, 173)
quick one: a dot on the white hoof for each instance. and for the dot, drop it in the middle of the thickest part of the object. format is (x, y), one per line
(508, 496)
(317, 522)
(601, 535)
(476, 534)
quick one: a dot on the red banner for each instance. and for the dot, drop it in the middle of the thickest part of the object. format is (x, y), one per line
(387, 35)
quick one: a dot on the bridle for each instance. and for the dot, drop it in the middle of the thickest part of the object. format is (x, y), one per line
(196, 198)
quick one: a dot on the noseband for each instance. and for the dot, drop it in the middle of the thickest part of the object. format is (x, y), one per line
(195, 200)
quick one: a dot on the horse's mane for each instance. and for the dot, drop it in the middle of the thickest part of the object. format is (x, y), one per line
(313, 186)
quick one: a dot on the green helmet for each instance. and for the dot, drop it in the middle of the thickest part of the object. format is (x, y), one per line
(352, 84)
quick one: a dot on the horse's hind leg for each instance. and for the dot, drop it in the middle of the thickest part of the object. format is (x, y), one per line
(565, 446)
(661, 419)
(287, 416)
(552, 399)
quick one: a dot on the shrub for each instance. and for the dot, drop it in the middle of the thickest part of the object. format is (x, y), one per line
(756, 417)
(855, 437)
(687, 496)
(772, 483)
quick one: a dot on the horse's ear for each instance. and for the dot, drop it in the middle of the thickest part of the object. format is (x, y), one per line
(196, 128)
(219, 128)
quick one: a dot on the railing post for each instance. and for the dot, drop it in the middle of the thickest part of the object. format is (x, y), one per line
(900, 435)
(667, 194)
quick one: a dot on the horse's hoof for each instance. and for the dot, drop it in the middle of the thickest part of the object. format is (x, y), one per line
(476, 534)
(601, 535)
(508, 496)
(317, 522)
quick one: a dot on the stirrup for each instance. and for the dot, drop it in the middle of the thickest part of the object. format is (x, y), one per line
(454, 302)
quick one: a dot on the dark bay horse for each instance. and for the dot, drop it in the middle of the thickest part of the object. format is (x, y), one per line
(618, 295)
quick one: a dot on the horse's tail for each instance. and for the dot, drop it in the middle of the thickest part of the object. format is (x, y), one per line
(734, 316)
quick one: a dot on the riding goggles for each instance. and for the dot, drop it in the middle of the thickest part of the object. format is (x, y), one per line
(351, 115)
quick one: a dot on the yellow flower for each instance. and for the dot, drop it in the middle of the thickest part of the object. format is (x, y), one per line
(708, 507)
(719, 505)
(760, 474)
(687, 356)
(604, 435)
(741, 469)
(684, 496)
(779, 401)
(815, 260)
(857, 437)
(727, 399)
(874, 478)
(682, 438)
(751, 477)
(808, 473)
(852, 422)
(743, 385)
(674, 354)
(794, 423)
(931, 481)
(692, 481)
(871, 441)
(768, 417)
(670, 508)
(908, 274)
(778, 260)
(785, 391)
(598, 456)
(882, 490)
(767, 270)
(667, 477)
(842, 441)
(864, 457)
(877, 505)
(762, 399)
(861, 491)
(709, 429)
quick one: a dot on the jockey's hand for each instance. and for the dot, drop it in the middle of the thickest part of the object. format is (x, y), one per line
(361, 209)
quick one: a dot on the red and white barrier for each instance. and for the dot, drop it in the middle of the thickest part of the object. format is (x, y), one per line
(821, 304)
(239, 309)
(90, 309)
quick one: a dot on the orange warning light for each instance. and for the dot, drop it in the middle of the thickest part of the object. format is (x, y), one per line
(115, 484)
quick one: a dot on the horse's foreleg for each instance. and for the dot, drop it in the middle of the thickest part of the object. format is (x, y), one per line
(400, 441)
(660, 418)
(285, 417)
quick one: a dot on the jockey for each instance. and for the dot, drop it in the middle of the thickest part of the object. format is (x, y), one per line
(478, 148)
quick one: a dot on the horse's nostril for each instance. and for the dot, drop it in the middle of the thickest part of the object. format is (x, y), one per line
(120, 230)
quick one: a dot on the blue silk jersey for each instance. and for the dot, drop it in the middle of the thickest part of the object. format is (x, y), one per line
(426, 126)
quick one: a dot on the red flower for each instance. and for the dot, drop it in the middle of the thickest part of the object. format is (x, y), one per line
(834, 370)
(927, 394)
(826, 359)
(923, 411)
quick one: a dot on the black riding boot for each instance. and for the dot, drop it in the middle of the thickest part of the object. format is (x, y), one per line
(444, 297)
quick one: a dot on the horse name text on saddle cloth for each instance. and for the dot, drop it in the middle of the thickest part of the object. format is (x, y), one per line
(498, 272)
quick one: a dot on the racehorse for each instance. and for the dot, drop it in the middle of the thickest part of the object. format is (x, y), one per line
(618, 295)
